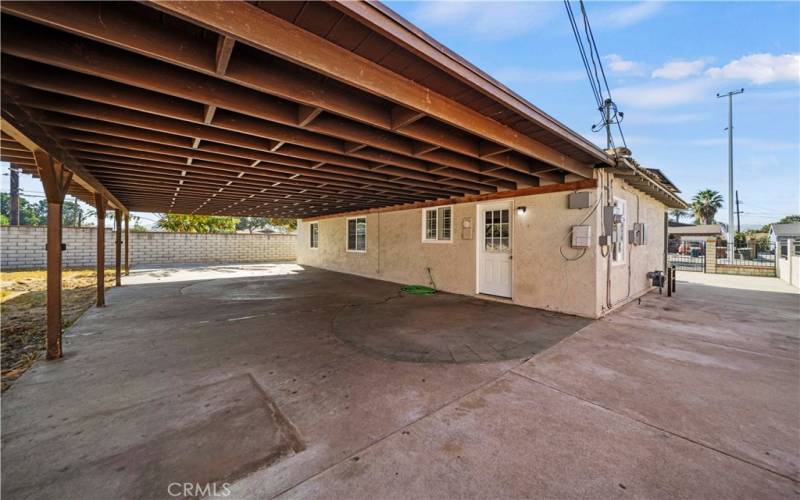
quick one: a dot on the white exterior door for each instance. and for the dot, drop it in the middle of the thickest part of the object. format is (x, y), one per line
(494, 250)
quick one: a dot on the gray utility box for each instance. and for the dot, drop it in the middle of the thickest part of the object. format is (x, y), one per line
(581, 236)
(582, 199)
(637, 235)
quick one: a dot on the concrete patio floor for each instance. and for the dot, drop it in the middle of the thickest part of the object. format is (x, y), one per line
(298, 383)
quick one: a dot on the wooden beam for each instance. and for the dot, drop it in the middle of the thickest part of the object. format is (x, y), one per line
(208, 113)
(328, 125)
(100, 208)
(127, 244)
(118, 248)
(306, 114)
(223, 56)
(352, 147)
(420, 148)
(170, 80)
(402, 116)
(488, 149)
(251, 25)
(550, 188)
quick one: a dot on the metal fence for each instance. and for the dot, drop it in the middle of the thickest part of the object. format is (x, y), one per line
(757, 260)
(687, 255)
(753, 260)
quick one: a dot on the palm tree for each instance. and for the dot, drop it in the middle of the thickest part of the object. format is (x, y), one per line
(705, 205)
(677, 213)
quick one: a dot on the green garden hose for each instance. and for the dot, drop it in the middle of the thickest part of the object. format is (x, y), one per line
(420, 289)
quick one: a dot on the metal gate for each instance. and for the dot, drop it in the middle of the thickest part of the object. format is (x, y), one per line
(687, 255)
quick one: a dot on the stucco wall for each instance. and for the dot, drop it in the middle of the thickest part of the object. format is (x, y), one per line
(23, 247)
(640, 259)
(574, 282)
(542, 278)
(789, 269)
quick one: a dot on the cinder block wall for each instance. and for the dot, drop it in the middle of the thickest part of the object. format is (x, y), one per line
(23, 247)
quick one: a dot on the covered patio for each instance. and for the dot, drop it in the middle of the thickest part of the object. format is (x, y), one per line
(285, 109)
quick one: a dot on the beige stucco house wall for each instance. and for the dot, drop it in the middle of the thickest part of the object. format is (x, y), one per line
(547, 273)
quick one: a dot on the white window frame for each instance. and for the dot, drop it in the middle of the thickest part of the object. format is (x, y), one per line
(311, 228)
(347, 235)
(435, 210)
(620, 256)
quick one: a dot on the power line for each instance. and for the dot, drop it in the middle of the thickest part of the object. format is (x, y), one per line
(596, 74)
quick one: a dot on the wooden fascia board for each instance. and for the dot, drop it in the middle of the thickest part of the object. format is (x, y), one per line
(529, 191)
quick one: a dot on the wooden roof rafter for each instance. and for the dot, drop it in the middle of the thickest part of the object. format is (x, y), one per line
(217, 95)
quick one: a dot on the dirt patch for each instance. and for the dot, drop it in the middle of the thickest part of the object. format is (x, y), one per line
(23, 301)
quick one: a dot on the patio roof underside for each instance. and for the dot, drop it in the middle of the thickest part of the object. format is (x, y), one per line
(284, 109)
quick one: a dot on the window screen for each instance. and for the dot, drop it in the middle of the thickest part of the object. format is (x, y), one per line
(438, 225)
(314, 232)
(357, 234)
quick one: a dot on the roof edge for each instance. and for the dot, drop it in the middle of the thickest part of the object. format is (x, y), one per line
(395, 27)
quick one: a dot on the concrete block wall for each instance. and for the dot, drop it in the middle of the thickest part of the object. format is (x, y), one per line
(23, 247)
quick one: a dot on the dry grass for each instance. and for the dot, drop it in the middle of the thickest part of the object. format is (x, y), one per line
(23, 328)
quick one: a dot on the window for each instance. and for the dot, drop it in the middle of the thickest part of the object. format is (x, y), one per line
(314, 235)
(619, 243)
(496, 231)
(437, 224)
(357, 234)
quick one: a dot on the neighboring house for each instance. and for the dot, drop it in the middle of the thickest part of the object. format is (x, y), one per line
(695, 232)
(689, 239)
(780, 233)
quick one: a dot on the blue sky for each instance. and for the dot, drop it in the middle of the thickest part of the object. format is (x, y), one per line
(665, 62)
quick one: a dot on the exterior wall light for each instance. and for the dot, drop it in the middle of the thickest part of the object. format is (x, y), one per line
(521, 210)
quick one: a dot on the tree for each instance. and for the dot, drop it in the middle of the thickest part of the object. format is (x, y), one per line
(789, 219)
(73, 214)
(289, 224)
(4, 220)
(677, 213)
(251, 223)
(197, 223)
(29, 213)
(705, 205)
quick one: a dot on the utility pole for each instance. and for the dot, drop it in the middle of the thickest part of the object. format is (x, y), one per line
(729, 95)
(738, 212)
(14, 208)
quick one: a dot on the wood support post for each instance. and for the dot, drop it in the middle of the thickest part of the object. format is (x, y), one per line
(118, 248)
(55, 181)
(100, 205)
(127, 244)
(54, 280)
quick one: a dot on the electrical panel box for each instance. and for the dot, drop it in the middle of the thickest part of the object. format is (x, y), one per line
(582, 199)
(637, 235)
(581, 236)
